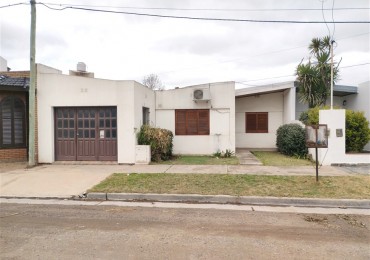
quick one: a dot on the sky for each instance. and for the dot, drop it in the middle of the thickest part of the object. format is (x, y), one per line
(185, 52)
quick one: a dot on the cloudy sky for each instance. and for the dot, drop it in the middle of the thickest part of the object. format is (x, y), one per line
(184, 52)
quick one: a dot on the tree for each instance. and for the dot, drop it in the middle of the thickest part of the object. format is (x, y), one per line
(152, 81)
(314, 77)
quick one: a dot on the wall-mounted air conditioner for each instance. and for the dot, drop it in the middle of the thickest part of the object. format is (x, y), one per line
(201, 95)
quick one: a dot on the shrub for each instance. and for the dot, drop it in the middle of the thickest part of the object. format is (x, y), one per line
(160, 141)
(228, 153)
(290, 140)
(357, 131)
(357, 127)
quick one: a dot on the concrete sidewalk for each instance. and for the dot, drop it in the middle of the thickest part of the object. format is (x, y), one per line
(64, 181)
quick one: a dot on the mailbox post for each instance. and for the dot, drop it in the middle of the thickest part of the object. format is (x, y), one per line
(317, 137)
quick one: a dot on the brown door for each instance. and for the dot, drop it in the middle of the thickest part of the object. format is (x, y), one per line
(86, 134)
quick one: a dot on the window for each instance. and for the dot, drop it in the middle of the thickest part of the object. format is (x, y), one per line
(192, 122)
(146, 119)
(256, 122)
(12, 122)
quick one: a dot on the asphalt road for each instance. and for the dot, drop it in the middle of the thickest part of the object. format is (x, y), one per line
(113, 232)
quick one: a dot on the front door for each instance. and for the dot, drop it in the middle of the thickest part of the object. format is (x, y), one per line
(86, 134)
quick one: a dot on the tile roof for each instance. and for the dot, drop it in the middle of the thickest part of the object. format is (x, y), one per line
(9, 82)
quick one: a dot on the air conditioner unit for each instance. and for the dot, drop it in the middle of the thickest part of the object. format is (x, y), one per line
(201, 95)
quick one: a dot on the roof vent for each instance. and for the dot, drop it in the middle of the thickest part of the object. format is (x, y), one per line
(81, 66)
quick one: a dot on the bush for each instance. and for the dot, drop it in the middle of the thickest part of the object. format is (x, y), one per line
(290, 140)
(357, 127)
(357, 131)
(160, 141)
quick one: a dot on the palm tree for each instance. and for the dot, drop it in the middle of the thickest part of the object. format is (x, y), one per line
(314, 77)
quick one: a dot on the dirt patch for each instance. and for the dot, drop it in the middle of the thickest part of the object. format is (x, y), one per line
(352, 220)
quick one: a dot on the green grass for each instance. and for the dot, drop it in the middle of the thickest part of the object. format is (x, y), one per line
(278, 159)
(201, 160)
(350, 187)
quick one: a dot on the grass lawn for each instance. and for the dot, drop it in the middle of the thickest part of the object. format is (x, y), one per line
(350, 187)
(278, 159)
(200, 160)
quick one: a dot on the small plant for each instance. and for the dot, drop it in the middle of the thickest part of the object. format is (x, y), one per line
(217, 154)
(228, 153)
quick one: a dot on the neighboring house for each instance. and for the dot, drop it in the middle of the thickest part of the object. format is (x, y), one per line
(13, 115)
(261, 110)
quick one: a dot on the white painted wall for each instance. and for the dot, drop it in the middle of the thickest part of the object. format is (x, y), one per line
(289, 105)
(336, 151)
(144, 97)
(57, 90)
(272, 103)
(222, 117)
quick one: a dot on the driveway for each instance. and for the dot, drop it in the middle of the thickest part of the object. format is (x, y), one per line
(61, 181)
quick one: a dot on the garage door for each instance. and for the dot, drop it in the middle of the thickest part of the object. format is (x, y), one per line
(86, 134)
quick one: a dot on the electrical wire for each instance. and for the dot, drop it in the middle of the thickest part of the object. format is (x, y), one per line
(198, 18)
(11, 5)
(211, 9)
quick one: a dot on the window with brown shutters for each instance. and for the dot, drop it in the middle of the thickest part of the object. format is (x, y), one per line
(12, 122)
(192, 122)
(256, 122)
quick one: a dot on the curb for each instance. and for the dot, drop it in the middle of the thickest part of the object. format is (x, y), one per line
(226, 199)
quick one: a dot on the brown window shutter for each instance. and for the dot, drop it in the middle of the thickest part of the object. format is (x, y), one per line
(180, 122)
(203, 122)
(192, 122)
(250, 122)
(262, 122)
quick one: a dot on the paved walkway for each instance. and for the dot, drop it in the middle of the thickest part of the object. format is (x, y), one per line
(67, 180)
(246, 157)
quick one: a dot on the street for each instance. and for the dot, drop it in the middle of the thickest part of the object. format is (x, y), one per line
(116, 232)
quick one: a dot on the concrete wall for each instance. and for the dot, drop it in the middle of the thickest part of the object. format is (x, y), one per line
(336, 151)
(57, 90)
(289, 99)
(222, 117)
(272, 103)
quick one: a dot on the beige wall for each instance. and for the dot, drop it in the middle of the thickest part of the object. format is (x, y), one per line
(57, 90)
(222, 117)
(273, 104)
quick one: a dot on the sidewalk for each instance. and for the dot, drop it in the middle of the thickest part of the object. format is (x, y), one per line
(65, 181)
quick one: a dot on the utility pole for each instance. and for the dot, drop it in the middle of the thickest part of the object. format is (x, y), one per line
(331, 74)
(32, 89)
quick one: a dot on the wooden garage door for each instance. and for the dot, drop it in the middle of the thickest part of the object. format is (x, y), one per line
(86, 134)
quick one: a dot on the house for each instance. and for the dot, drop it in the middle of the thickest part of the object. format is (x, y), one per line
(13, 114)
(81, 118)
(261, 110)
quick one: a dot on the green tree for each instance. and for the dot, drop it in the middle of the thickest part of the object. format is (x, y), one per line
(314, 76)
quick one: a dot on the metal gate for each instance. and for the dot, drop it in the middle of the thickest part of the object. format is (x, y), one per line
(86, 134)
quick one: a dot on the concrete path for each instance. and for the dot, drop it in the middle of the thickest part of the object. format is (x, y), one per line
(65, 181)
(246, 157)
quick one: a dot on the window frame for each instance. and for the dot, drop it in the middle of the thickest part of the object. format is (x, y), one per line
(200, 120)
(13, 99)
(258, 116)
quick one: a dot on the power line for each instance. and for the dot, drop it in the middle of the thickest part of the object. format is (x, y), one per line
(214, 9)
(285, 76)
(200, 18)
(11, 5)
(355, 65)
